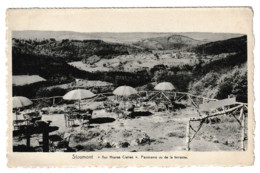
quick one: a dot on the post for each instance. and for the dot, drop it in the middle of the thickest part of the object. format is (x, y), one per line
(53, 101)
(28, 136)
(45, 137)
(65, 118)
(188, 136)
(28, 141)
(192, 102)
(189, 100)
(243, 128)
(228, 107)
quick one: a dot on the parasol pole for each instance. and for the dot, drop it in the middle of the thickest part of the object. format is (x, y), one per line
(16, 112)
(79, 105)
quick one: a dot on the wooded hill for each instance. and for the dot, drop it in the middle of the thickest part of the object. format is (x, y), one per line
(238, 45)
(72, 50)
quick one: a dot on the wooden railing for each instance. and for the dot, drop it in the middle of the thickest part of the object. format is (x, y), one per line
(180, 94)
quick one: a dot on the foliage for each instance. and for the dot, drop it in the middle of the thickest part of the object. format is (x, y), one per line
(55, 70)
(221, 85)
(124, 78)
(180, 81)
(27, 90)
(209, 81)
(238, 44)
(72, 50)
(234, 83)
(220, 65)
(43, 92)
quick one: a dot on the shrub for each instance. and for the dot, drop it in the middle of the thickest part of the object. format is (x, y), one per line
(234, 83)
(208, 81)
(43, 92)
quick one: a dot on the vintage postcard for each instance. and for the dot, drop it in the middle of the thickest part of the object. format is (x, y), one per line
(123, 87)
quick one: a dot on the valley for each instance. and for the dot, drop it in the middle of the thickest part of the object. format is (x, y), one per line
(186, 62)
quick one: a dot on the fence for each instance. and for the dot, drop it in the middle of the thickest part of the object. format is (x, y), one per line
(150, 95)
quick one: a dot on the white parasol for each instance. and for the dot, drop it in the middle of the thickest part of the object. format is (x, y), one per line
(164, 86)
(124, 91)
(20, 101)
(78, 94)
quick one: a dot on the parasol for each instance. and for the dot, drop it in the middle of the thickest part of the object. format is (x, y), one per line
(78, 94)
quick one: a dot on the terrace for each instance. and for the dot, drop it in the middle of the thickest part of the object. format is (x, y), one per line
(144, 121)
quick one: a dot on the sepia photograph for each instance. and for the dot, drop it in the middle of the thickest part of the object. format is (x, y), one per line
(88, 88)
(87, 92)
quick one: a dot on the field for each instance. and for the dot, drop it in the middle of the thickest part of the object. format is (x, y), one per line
(82, 84)
(133, 63)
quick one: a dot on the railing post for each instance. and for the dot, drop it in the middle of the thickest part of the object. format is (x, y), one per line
(243, 128)
(188, 136)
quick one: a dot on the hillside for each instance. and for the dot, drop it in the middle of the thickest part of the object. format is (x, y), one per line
(72, 50)
(173, 42)
(222, 77)
(238, 45)
(54, 70)
(214, 78)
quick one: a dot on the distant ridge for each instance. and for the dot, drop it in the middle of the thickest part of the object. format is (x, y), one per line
(172, 42)
(126, 37)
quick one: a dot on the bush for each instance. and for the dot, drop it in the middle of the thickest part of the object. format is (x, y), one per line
(220, 86)
(43, 92)
(234, 83)
(180, 81)
(208, 81)
(149, 86)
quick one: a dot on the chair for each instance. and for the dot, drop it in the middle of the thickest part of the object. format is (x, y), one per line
(131, 109)
(69, 120)
(90, 112)
(17, 124)
(64, 144)
(128, 114)
(27, 118)
(118, 112)
(85, 124)
(161, 107)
